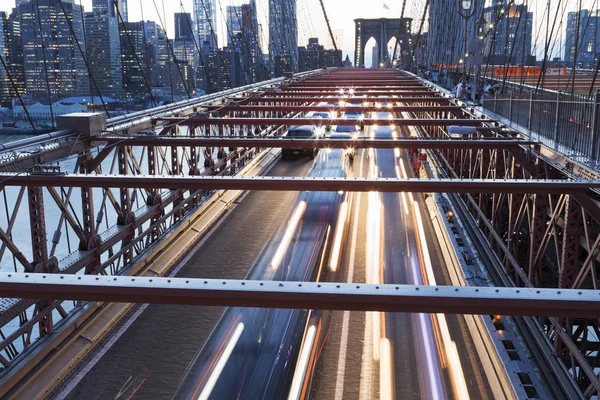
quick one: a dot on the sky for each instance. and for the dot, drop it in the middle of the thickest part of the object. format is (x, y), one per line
(341, 14)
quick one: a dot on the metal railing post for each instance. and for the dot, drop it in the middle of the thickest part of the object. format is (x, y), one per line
(510, 107)
(530, 116)
(556, 121)
(495, 102)
(595, 125)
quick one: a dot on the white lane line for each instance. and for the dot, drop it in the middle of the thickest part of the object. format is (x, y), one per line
(366, 373)
(339, 382)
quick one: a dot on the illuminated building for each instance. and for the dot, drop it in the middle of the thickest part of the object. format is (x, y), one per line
(283, 31)
(46, 35)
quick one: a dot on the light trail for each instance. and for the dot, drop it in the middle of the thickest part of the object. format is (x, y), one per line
(386, 370)
(430, 364)
(289, 234)
(301, 366)
(338, 236)
(457, 376)
(402, 194)
(410, 195)
(212, 380)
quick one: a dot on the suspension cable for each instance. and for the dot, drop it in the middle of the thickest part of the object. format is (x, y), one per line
(230, 34)
(214, 36)
(337, 53)
(85, 61)
(14, 86)
(160, 19)
(399, 30)
(41, 35)
(135, 55)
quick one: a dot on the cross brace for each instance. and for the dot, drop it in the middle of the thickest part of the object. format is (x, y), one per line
(305, 295)
(279, 183)
(330, 121)
(359, 143)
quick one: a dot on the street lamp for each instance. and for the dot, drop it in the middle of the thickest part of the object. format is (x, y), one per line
(466, 10)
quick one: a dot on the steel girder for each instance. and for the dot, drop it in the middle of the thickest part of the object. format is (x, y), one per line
(306, 295)
(414, 185)
(391, 92)
(331, 121)
(423, 96)
(358, 143)
(307, 108)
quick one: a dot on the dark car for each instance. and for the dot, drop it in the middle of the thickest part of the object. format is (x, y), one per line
(301, 132)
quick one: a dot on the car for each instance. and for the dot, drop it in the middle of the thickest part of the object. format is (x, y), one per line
(352, 115)
(301, 132)
(351, 130)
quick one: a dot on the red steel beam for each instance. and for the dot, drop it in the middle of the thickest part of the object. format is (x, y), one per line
(308, 108)
(425, 98)
(274, 183)
(389, 93)
(317, 121)
(287, 143)
(361, 89)
(304, 295)
(375, 92)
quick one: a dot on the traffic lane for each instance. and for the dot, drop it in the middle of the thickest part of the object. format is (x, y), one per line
(397, 255)
(158, 346)
(475, 379)
(265, 352)
(339, 368)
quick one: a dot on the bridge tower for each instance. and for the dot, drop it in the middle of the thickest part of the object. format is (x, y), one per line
(382, 30)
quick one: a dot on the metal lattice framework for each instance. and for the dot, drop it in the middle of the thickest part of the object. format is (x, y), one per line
(99, 204)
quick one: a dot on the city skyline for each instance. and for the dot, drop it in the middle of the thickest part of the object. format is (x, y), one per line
(340, 12)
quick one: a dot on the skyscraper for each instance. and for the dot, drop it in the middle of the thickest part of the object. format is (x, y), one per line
(10, 51)
(137, 59)
(510, 41)
(205, 14)
(183, 26)
(234, 24)
(53, 65)
(283, 32)
(588, 46)
(108, 7)
(123, 9)
(446, 31)
(104, 49)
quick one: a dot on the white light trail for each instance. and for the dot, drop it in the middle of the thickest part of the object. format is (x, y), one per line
(302, 365)
(386, 374)
(404, 175)
(338, 236)
(212, 380)
(456, 371)
(289, 234)
(402, 194)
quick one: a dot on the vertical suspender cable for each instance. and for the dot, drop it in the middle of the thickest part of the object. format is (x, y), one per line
(85, 61)
(14, 86)
(39, 17)
(337, 53)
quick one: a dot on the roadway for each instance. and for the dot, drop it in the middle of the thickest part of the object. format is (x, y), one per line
(151, 355)
(350, 365)
(149, 358)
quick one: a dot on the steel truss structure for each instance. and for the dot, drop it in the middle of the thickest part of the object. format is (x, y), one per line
(97, 204)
